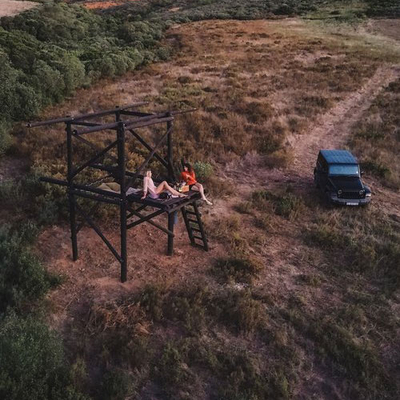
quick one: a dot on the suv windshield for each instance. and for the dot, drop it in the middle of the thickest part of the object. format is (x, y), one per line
(344, 169)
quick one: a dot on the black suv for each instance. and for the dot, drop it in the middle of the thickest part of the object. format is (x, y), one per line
(338, 175)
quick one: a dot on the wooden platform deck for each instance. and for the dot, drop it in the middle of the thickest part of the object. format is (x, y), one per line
(167, 205)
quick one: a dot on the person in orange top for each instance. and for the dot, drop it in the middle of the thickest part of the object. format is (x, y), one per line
(188, 175)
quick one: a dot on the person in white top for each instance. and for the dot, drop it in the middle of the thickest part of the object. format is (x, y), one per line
(154, 191)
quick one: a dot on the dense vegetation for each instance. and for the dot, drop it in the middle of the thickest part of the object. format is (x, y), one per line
(48, 52)
(195, 10)
(380, 8)
(33, 366)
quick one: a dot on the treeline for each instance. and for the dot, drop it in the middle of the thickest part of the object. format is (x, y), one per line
(384, 8)
(48, 52)
(194, 10)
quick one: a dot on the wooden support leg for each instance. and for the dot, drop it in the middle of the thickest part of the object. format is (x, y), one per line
(124, 260)
(171, 218)
(72, 218)
(123, 205)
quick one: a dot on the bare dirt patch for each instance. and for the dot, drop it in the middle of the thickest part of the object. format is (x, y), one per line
(9, 8)
(385, 27)
(102, 5)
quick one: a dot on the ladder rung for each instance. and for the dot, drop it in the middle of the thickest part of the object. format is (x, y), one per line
(199, 245)
(199, 238)
(193, 221)
(195, 229)
(191, 212)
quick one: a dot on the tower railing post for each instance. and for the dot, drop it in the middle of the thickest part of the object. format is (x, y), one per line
(171, 173)
(121, 169)
(171, 222)
(71, 197)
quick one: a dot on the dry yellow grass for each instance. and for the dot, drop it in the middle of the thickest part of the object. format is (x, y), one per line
(254, 83)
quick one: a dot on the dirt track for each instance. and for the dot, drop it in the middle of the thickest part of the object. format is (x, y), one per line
(11, 7)
(332, 130)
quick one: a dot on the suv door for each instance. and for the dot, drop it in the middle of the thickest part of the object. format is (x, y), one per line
(321, 172)
(324, 173)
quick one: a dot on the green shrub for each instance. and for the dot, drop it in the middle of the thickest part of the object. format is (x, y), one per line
(116, 385)
(376, 168)
(22, 277)
(171, 370)
(358, 244)
(203, 170)
(190, 307)
(237, 269)
(356, 359)
(51, 50)
(285, 204)
(32, 362)
(388, 8)
(151, 299)
(239, 311)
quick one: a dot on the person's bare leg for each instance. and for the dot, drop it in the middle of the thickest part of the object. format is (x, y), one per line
(163, 186)
(200, 188)
(173, 191)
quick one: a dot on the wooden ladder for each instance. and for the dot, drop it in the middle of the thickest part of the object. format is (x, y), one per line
(194, 226)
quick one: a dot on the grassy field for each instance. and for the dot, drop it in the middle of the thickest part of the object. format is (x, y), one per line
(295, 300)
(376, 137)
(250, 82)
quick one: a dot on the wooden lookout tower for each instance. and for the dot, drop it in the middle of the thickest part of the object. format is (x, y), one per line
(134, 210)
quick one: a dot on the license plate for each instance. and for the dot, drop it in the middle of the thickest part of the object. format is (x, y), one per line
(351, 204)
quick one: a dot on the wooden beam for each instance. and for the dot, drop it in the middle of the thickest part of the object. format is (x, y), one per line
(137, 214)
(98, 231)
(98, 191)
(103, 199)
(148, 147)
(133, 124)
(144, 219)
(95, 148)
(52, 180)
(83, 116)
(141, 124)
(93, 159)
(147, 160)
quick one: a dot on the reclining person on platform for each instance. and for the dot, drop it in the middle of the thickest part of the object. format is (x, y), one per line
(154, 191)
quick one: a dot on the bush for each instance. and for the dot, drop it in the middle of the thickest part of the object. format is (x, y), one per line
(171, 370)
(51, 50)
(237, 269)
(116, 385)
(32, 362)
(388, 8)
(203, 170)
(23, 279)
(239, 311)
(286, 204)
